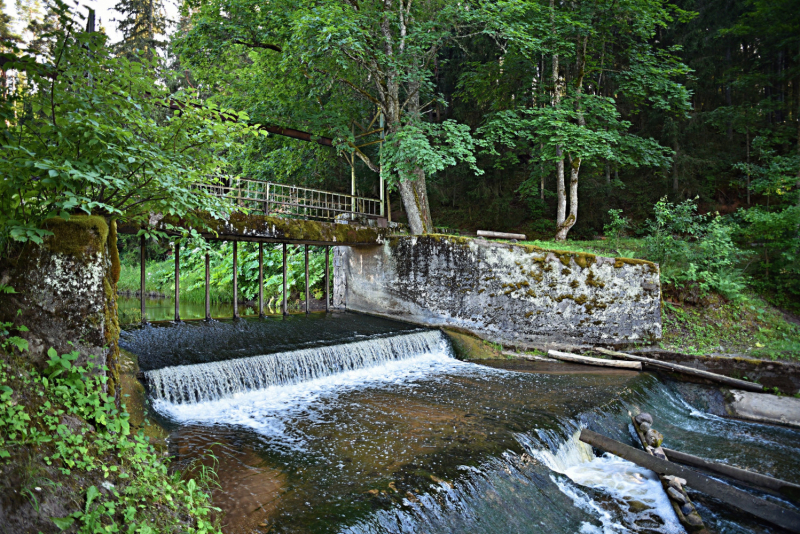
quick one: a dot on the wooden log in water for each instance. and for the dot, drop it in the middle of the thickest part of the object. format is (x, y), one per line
(777, 515)
(568, 357)
(780, 487)
(722, 379)
(500, 235)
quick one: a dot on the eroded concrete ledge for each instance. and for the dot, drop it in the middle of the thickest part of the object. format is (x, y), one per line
(513, 294)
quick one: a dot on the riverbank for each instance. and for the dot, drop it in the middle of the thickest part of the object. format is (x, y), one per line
(70, 459)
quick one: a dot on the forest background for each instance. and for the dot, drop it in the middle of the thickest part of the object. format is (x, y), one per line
(669, 130)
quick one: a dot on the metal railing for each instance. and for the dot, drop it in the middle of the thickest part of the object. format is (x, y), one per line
(294, 202)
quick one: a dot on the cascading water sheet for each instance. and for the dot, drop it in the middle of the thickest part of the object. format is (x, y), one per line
(392, 434)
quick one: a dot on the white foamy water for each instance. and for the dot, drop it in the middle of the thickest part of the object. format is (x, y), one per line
(637, 490)
(269, 411)
(200, 383)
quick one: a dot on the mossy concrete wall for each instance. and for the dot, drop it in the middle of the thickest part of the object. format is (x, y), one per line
(254, 227)
(513, 294)
(66, 293)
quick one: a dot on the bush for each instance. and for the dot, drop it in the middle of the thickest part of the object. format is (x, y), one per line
(695, 252)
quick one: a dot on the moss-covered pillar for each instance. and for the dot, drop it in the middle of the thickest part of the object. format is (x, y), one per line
(66, 293)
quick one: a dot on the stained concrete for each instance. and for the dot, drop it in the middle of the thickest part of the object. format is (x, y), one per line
(512, 294)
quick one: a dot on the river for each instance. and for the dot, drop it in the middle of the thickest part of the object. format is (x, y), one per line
(348, 423)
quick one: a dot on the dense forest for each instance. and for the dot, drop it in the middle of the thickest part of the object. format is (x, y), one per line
(676, 123)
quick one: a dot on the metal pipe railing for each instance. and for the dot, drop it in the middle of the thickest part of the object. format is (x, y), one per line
(293, 201)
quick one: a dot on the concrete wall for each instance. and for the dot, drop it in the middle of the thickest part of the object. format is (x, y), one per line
(514, 294)
(66, 293)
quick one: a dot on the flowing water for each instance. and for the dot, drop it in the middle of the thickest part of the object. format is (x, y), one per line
(372, 426)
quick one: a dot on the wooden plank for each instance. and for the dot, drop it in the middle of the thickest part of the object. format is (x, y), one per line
(777, 515)
(500, 235)
(567, 357)
(722, 379)
(781, 487)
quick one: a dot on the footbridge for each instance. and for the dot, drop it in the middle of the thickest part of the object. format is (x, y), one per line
(265, 212)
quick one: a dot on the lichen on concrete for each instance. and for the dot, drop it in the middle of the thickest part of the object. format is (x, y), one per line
(507, 292)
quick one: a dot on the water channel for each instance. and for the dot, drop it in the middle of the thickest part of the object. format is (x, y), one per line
(346, 423)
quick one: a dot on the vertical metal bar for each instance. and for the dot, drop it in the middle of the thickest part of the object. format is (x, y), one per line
(388, 206)
(266, 204)
(177, 282)
(284, 308)
(235, 280)
(208, 286)
(143, 276)
(261, 279)
(308, 293)
(327, 276)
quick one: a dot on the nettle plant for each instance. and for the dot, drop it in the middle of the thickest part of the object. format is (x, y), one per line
(86, 131)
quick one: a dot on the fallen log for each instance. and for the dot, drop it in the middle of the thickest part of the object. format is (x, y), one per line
(777, 486)
(568, 357)
(500, 235)
(722, 379)
(777, 515)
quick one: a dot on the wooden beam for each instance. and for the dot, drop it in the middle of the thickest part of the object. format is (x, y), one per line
(235, 280)
(722, 379)
(308, 293)
(500, 235)
(780, 487)
(567, 357)
(208, 289)
(777, 515)
(177, 282)
(284, 307)
(261, 279)
(143, 276)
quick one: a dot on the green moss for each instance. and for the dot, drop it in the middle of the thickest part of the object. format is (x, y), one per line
(581, 299)
(620, 262)
(566, 272)
(574, 284)
(113, 252)
(469, 347)
(591, 281)
(81, 236)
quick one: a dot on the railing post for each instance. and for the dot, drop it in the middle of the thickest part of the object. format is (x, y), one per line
(235, 281)
(177, 282)
(327, 276)
(261, 279)
(266, 202)
(308, 293)
(142, 277)
(208, 284)
(284, 304)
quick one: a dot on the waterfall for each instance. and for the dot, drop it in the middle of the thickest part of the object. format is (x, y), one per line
(189, 384)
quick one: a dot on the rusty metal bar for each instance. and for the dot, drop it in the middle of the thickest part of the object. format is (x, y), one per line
(208, 288)
(235, 280)
(284, 307)
(261, 279)
(327, 276)
(143, 276)
(177, 282)
(308, 293)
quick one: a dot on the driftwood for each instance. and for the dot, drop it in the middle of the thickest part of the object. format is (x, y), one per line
(777, 515)
(777, 486)
(684, 507)
(567, 357)
(722, 379)
(500, 235)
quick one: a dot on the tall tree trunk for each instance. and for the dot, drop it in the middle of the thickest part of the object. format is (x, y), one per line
(561, 208)
(677, 148)
(572, 218)
(414, 192)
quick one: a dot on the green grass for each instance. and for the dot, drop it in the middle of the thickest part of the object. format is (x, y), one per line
(750, 327)
(627, 247)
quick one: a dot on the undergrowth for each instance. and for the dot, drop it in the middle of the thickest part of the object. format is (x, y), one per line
(749, 327)
(69, 462)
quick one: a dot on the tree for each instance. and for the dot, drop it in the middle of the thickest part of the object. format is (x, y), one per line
(328, 66)
(142, 23)
(93, 137)
(577, 63)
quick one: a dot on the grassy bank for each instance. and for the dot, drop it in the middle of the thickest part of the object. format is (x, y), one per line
(70, 462)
